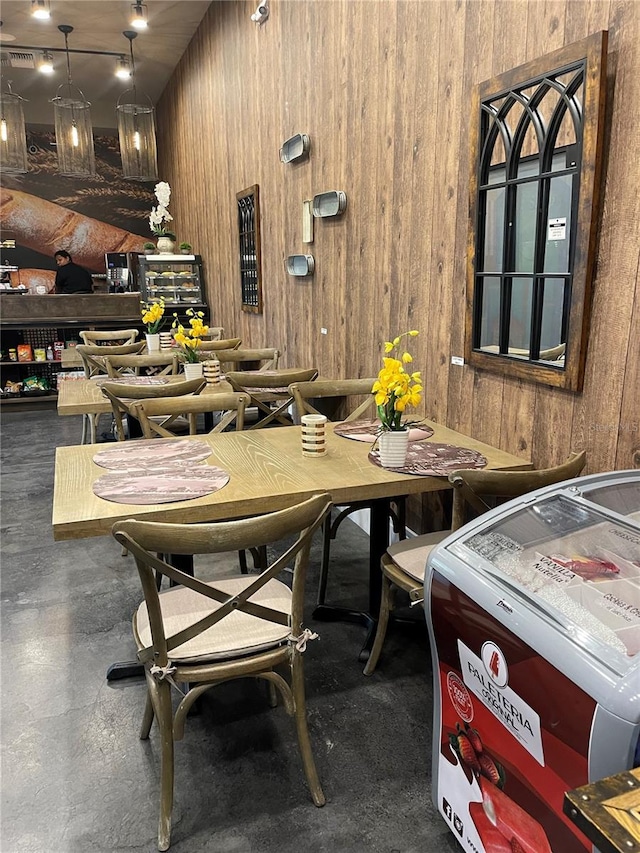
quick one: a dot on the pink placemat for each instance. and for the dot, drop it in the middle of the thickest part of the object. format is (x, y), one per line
(135, 380)
(366, 430)
(152, 453)
(433, 459)
(169, 485)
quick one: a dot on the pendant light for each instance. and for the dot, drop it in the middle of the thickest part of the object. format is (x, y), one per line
(139, 18)
(137, 129)
(74, 134)
(13, 135)
(41, 9)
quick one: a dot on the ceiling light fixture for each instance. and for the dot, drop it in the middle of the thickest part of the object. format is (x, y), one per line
(74, 134)
(139, 18)
(123, 69)
(136, 129)
(13, 135)
(45, 65)
(41, 9)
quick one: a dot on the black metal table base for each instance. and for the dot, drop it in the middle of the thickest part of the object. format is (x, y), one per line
(330, 613)
(125, 669)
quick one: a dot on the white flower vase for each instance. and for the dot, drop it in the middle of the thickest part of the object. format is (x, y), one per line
(153, 343)
(165, 246)
(393, 446)
(192, 369)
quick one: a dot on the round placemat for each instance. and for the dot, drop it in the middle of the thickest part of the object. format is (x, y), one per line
(152, 453)
(169, 485)
(134, 380)
(366, 430)
(432, 459)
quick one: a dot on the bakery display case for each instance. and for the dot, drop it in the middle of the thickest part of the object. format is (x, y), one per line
(176, 278)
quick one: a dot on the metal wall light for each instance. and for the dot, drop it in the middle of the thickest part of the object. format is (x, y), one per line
(139, 17)
(13, 135)
(41, 9)
(45, 65)
(74, 133)
(137, 129)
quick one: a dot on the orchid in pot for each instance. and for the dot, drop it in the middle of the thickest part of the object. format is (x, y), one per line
(189, 339)
(394, 390)
(160, 215)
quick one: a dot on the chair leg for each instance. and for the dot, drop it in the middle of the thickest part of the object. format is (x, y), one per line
(85, 419)
(165, 724)
(147, 718)
(242, 559)
(304, 742)
(386, 605)
(324, 562)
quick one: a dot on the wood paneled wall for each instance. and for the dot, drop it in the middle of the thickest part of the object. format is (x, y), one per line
(383, 90)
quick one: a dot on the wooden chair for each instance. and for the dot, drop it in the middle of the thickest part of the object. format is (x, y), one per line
(231, 406)
(214, 346)
(269, 391)
(198, 634)
(404, 563)
(123, 397)
(215, 333)
(156, 364)
(123, 336)
(93, 359)
(337, 393)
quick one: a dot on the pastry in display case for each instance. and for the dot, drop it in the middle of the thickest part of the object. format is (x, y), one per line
(177, 279)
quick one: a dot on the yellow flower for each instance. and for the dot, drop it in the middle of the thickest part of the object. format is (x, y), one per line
(395, 389)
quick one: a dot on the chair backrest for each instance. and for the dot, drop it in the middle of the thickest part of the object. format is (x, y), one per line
(94, 357)
(232, 406)
(124, 336)
(336, 389)
(215, 333)
(279, 379)
(473, 486)
(553, 354)
(214, 346)
(267, 359)
(146, 539)
(123, 396)
(159, 363)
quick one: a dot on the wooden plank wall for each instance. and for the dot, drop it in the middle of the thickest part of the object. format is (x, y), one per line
(384, 89)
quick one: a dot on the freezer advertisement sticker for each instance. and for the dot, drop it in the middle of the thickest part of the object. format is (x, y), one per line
(487, 678)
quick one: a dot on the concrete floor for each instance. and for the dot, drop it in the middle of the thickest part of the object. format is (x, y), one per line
(77, 779)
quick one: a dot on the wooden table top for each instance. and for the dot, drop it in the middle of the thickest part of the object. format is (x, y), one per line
(608, 811)
(85, 397)
(267, 472)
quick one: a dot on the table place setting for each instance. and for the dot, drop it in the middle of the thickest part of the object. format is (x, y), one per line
(432, 459)
(160, 485)
(369, 430)
(134, 380)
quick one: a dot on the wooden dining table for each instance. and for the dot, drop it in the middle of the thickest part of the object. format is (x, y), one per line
(267, 472)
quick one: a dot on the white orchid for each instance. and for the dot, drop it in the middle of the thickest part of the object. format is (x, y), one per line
(160, 214)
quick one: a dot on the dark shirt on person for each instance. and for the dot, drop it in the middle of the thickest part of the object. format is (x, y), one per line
(72, 278)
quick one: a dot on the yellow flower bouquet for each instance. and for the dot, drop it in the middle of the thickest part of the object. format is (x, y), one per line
(395, 388)
(189, 339)
(153, 316)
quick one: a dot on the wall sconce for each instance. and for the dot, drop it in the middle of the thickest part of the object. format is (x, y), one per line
(139, 18)
(41, 9)
(45, 65)
(136, 129)
(295, 148)
(300, 265)
(74, 134)
(123, 69)
(13, 135)
(329, 204)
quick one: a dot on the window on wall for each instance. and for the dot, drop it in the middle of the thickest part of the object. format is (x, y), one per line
(536, 154)
(248, 202)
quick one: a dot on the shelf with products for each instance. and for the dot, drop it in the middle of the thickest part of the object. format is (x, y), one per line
(178, 279)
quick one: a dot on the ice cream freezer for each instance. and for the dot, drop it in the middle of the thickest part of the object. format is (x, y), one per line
(534, 619)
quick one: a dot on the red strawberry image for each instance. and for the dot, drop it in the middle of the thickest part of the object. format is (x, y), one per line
(467, 753)
(493, 841)
(512, 820)
(474, 739)
(490, 769)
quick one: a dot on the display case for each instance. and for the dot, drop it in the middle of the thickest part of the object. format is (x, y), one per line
(176, 278)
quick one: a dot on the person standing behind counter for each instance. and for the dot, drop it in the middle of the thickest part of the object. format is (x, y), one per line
(71, 278)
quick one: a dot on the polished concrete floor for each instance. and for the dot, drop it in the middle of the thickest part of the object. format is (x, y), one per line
(77, 779)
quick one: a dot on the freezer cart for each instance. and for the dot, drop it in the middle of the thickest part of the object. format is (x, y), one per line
(534, 618)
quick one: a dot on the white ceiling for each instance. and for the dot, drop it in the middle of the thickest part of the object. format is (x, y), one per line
(97, 25)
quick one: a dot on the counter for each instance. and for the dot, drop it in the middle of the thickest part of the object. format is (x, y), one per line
(94, 310)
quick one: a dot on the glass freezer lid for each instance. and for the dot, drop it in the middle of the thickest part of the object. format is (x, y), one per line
(575, 561)
(623, 498)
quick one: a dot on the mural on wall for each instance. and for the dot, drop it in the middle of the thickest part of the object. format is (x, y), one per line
(45, 211)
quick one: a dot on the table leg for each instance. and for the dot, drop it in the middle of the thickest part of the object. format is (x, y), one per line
(133, 668)
(378, 543)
